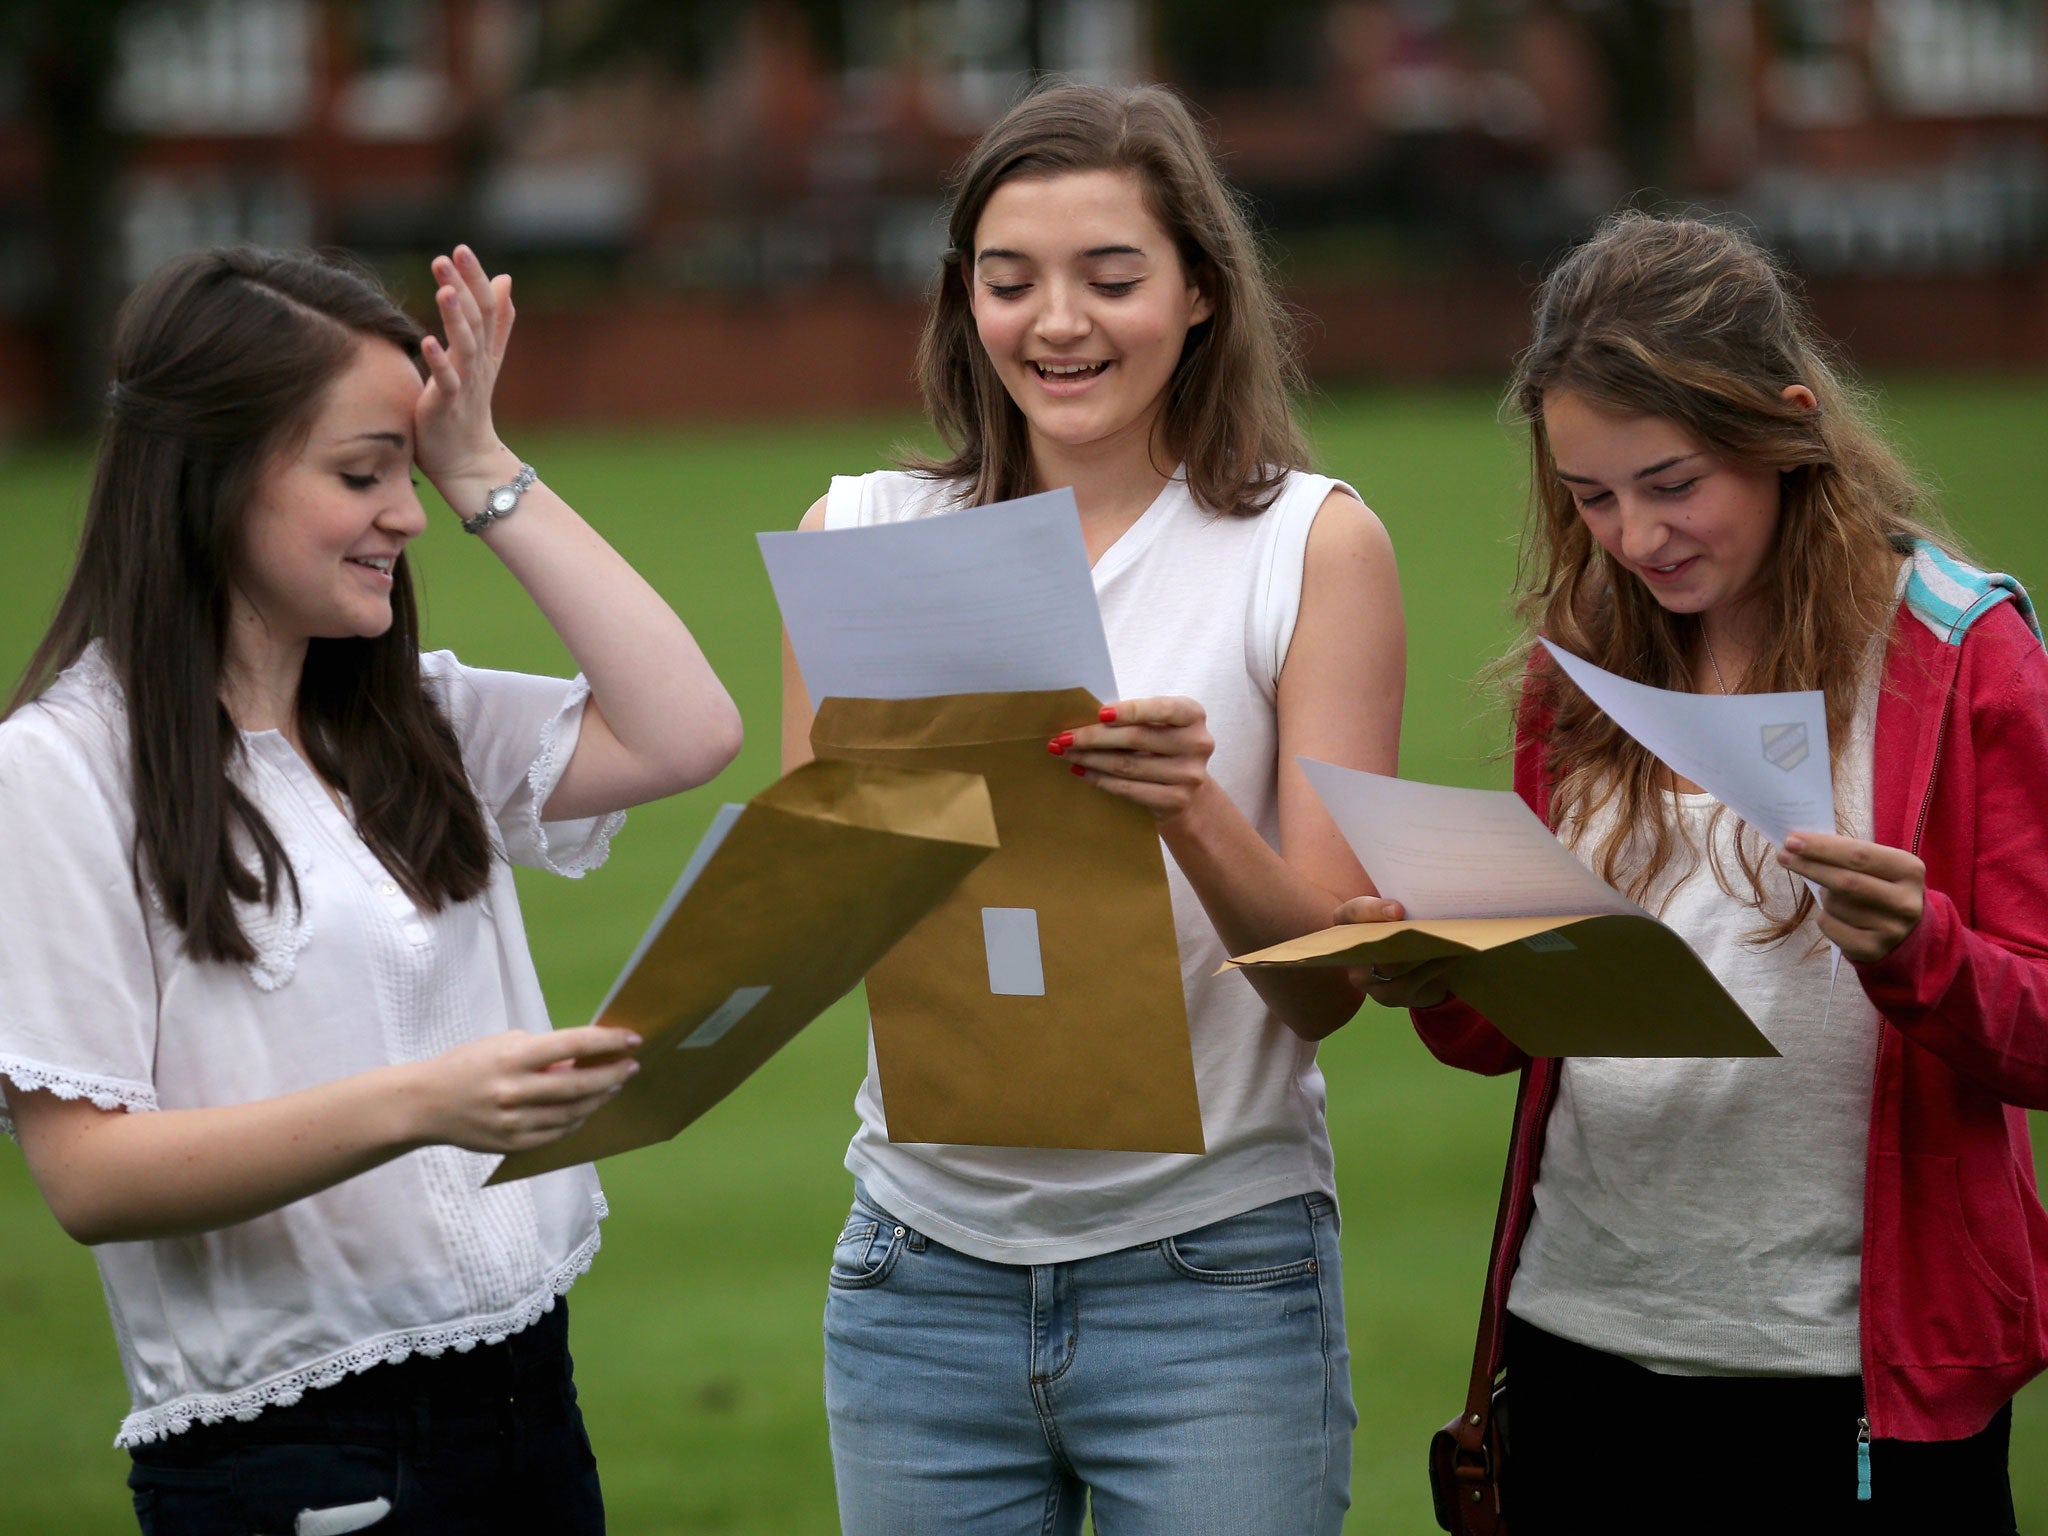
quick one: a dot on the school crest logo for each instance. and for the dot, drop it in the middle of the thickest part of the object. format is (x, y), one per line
(1785, 746)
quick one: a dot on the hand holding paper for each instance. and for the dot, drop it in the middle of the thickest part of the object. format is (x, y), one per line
(1871, 896)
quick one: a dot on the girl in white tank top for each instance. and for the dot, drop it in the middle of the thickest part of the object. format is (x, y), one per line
(1102, 322)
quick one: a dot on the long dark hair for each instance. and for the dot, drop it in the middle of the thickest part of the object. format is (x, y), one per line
(1229, 411)
(1692, 321)
(221, 360)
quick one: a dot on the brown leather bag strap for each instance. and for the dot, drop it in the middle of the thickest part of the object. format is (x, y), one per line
(1470, 1430)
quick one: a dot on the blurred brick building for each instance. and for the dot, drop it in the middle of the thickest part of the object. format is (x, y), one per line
(727, 207)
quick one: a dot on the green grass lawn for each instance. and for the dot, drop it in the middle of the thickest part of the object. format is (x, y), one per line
(697, 1333)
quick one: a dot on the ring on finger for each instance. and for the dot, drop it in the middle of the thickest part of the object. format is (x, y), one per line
(1377, 974)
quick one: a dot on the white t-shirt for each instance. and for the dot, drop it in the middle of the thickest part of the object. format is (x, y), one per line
(1202, 606)
(1705, 1217)
(101, 1002)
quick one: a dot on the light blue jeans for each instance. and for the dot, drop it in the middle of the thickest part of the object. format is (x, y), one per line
(1196, 1386)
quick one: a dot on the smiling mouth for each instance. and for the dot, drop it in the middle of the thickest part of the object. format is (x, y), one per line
(381, 564)
(1069, 373)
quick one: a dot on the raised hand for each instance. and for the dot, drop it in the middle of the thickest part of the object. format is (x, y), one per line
(514, 1091)
(1153, 751)
(1872, 895)
(454, 438)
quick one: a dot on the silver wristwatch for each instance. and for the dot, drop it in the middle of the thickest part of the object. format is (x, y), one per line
(502, 501)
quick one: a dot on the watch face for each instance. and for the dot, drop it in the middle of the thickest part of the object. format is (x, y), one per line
(504, 499)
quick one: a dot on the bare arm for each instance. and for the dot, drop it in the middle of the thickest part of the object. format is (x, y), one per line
(1339, 700)
(658, 720)
(797, 709)
(114, 1176)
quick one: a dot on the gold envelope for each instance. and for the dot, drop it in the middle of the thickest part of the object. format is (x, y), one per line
(823, 871)
(1101, 1059)
(1612, 985)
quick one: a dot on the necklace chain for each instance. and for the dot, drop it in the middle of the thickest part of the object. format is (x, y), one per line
(1713, 660)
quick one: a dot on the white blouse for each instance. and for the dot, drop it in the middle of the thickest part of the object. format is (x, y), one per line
(98, 1000)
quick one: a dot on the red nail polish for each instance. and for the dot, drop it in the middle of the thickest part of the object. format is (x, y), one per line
(1056, 747)
(1065, 738)
(1077, 770)
(1108, 715)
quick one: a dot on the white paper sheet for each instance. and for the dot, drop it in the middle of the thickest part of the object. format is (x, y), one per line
(1763, 755)
(994, 599)
(1445, 852)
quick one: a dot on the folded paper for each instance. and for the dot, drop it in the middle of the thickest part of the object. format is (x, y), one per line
(1558, 961)
(1040, 1004)
(1608, 984)
(773, 921)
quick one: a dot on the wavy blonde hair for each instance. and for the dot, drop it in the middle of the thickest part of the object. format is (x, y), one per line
(1229, 413)
(1693, 322)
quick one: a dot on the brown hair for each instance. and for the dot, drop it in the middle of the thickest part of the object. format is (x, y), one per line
(1228, 410)
(1693, 322)
(221, 360)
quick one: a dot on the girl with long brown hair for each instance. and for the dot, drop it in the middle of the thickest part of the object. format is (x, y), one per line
(268, 1003)
(1795, 1293)
(1014, 1337)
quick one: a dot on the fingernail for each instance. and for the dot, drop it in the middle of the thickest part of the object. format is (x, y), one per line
(1065, 738)
(632, 1067)
(1108, 714)
(1077, 770)
(634, 1042)
(1795, 844)
(1056, 747)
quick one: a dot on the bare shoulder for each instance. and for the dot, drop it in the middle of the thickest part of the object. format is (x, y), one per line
(1348, 536)
(815, 518)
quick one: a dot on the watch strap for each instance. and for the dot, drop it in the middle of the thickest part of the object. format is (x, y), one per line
(502, 500)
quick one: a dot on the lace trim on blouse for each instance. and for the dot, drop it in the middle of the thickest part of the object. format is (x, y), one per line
(180, 1414)
(105, 1092)
(541, 779)
(278, 932)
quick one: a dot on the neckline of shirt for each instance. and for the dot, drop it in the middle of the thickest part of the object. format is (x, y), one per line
(1133, 540)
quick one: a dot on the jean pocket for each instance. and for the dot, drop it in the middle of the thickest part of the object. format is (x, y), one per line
(866, 1251)
(1265, 1246)
(316, 1490)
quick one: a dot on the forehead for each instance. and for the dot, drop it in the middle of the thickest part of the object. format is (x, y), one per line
(1067, 212)
(374, 392)
(1590, 439)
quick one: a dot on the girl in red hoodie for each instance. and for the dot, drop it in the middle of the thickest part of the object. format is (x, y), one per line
(1795, 1293)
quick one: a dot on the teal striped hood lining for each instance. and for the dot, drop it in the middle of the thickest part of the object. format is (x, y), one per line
(1948, 596)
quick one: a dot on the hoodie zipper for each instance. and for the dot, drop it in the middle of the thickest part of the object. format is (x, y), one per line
(1948, 700)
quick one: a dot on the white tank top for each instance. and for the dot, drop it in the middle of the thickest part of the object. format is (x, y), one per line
(1202, 606)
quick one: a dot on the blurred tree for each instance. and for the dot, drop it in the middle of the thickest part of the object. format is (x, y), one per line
(69, 55)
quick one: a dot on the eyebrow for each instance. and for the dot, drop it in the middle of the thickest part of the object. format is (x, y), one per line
(395, 439)
(998, 253)
(1657, 468)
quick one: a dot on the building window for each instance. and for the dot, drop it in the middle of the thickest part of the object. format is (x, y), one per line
(399, 89)
(218, 66)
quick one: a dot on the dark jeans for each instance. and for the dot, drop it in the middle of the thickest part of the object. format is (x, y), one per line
(1597, 1444)
(478, 1444)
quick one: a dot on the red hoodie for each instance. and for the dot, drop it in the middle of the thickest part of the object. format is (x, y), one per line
(1955, 1242)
